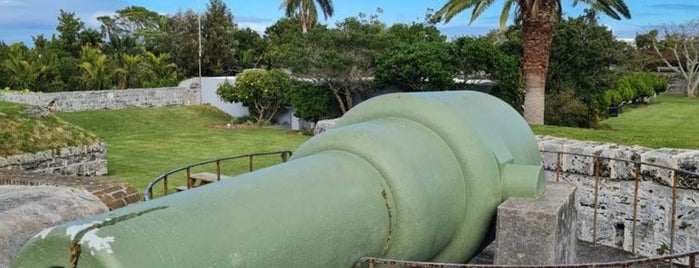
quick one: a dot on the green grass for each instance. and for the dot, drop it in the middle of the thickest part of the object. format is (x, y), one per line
(669, 121)
(21, 134)
(144, 143)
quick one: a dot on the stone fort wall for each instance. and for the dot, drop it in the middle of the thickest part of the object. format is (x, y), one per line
(70, 101)
(616, 194)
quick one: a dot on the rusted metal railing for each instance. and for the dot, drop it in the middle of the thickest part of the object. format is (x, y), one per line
(371, 262)
(148, 192)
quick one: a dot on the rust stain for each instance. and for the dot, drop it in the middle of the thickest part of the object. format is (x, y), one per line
(76, 248)
(384, 197)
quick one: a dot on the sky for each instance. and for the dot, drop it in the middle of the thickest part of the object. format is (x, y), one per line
(22, 19)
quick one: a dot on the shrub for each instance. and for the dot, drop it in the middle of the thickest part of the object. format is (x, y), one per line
(312, 102)
(261, 90)
(564, 109)
(633, 86)
(612, 97)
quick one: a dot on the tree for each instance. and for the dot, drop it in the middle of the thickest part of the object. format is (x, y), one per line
(306, 12)
(218, 56)
(418, 66)
(250, 48)
(681, 43)
(95, 69)
(24, 72)
(68, 28)
(482, 58)
(261, 90)
(582, 54)
(181, 42)
(159, 70)
(128, 73)
(537, 18)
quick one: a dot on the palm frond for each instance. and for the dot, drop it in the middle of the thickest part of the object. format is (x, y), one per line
(453, 7)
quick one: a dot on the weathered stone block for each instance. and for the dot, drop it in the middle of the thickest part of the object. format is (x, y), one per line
(26, 210)
(539, 231)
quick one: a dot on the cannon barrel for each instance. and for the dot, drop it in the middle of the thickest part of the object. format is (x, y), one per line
(414, 176)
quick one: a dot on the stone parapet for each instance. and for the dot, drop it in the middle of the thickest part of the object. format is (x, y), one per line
(615, 199)
(87, 160)
(70, 101)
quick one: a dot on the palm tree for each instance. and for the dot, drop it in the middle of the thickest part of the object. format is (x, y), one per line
(538, 18)
(306, 11)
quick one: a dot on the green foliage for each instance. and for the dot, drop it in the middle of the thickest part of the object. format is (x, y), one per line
(250, 49)
(634, 86)
(478, 55)
(262, 91)
(217, 39)
(312, 102)
(419, 66)
(563, 108)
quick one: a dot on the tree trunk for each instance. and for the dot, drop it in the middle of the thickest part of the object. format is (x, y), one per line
(537, 31)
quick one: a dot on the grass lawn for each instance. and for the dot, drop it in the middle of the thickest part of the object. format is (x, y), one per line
(669, 121)
(144, 143)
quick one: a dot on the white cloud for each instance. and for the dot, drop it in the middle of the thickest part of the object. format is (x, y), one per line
(256, 26)
(19, 20)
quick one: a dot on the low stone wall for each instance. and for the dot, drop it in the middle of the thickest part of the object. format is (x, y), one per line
(88, 160)
(113, 193)
(69, 101)
(616, 191)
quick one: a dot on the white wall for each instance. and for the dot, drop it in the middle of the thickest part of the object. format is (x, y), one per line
(208, 94)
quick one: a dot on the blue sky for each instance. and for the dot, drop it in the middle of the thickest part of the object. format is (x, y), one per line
(21, 19)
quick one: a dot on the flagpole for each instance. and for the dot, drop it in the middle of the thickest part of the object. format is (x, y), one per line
(199, 38)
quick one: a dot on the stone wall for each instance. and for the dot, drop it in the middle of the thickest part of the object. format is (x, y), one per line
(106, 99)
(616, 192)
(87, 160)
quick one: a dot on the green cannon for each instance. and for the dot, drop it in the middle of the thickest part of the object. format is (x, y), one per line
(414, 176)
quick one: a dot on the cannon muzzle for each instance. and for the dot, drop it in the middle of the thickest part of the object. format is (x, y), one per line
(414, 176)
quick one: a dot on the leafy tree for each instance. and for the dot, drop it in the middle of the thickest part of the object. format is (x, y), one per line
(261, 90)
(217, 39)
(69, 28)
(250, 47)
(183, 45)
(418, 66)
(681, 44)
(312, 102)
(480, 56)
(537, 18)
(160, 71)
(96, 72)
(24, 73)
(582, 53)
(286, 45)
(128, 72)
(306, 12)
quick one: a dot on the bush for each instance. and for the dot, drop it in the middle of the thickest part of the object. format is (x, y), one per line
(634, 86)
(311, 102)
(261, 90)
(611, 97)
(564, 109)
